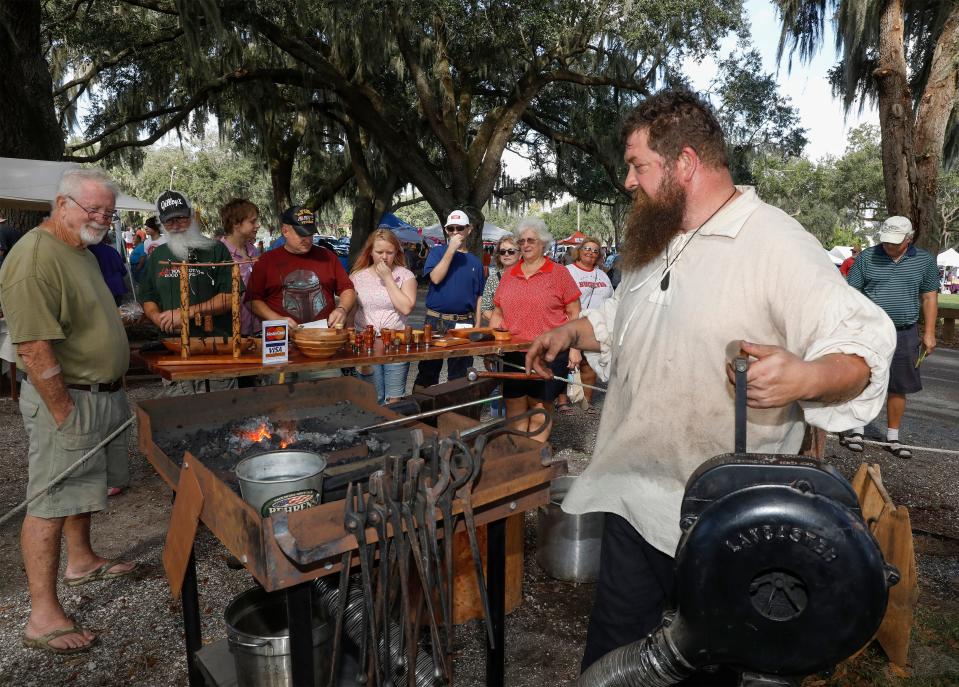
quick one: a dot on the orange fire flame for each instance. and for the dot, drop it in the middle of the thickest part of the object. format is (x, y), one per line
(262, 432)
(258, 434)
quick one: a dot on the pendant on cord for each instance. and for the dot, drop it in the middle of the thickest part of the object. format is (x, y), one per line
(664, 282)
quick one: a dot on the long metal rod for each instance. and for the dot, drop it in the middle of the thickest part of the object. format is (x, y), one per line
(299, 609)
(430, 413)
(68, 471)
(496, 587)
(558, 379)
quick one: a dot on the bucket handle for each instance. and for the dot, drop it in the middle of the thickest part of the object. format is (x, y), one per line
(250, 645)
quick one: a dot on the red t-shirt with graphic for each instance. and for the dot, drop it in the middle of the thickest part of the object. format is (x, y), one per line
(298, 286)
(537, 304)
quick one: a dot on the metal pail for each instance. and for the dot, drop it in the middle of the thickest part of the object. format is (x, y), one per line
(567, 545)
(281, 480)
(259, 636)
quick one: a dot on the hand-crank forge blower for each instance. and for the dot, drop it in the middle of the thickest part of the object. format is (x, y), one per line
(776, 574)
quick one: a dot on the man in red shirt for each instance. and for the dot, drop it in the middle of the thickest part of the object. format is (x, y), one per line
(297, 282)
(847, 263)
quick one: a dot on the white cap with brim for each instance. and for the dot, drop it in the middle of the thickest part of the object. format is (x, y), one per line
(896, 229)
(457, 218)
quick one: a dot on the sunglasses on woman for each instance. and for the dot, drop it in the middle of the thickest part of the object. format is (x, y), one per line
(507, 251)
(588, 250)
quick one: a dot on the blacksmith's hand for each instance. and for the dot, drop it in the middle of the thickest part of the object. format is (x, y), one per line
(575, 358)
(546, 347)
(775, 379)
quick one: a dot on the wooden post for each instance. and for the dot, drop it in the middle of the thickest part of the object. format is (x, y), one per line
(235, 309)
(184, 310)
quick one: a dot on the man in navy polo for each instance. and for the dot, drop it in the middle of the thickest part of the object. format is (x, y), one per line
(902, 280)
(456, 287)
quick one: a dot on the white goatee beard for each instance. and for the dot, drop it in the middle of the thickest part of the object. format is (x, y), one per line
(181, 242)
(92, 233)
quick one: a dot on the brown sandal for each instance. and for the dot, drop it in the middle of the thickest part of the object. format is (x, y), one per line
(42, 643)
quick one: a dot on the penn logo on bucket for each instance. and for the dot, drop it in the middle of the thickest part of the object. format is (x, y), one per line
(292, 502)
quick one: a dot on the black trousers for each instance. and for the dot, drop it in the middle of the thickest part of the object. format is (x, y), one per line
(428, 371)
(634, 588)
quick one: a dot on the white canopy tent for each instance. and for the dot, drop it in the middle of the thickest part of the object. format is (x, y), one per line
(949, 258)
(491, 232)
(32, 185)
(840, 252)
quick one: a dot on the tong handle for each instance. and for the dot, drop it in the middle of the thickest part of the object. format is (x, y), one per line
(740, 367)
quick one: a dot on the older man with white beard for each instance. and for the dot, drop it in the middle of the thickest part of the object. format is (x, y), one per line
(707, 264)
(73, 349)
(209, 286)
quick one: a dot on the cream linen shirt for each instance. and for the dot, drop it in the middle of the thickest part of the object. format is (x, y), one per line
(751, 273)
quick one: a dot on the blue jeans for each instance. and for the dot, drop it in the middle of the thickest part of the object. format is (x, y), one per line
(428, 373)
(389, 380)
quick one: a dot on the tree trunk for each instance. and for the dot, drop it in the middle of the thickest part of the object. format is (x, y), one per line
(28, 122)
(932, 119)
(895, 115)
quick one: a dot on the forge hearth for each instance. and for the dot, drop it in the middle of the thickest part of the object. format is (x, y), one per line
(222, 428)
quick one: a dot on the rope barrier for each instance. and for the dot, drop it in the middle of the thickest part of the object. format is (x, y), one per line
(928, 449)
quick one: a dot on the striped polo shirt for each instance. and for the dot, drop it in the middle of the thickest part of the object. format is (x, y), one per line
(896, 287)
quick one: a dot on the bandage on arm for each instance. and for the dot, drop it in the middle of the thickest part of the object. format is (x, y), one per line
(44, 373)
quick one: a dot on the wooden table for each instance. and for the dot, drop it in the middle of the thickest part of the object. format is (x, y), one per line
(167, 365)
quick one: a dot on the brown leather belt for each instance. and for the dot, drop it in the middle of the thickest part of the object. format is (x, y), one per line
(449, 317)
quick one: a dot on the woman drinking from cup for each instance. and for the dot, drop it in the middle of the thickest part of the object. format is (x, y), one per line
(385, 295)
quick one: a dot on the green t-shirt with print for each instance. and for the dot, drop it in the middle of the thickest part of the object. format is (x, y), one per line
(54, 292)
(161, 282)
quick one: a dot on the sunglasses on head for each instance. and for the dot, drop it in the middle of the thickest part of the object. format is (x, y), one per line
(507, 251)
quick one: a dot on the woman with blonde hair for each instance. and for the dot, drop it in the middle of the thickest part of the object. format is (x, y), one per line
(506, 255)
(385, 296)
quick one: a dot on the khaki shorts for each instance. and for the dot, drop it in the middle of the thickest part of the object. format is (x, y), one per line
(53, 449)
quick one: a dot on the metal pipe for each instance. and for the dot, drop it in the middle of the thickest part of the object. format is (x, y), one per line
(653, 662)
(559, 379)
(472, 374)
(429, 413)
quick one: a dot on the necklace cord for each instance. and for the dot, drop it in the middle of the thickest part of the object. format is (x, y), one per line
(664, 282)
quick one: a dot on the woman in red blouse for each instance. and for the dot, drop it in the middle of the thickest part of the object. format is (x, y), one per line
(535, 296)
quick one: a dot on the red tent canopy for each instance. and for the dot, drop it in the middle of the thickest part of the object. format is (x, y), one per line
(573, 239)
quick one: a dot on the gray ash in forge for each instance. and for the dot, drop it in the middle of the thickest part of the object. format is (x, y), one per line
(221, 448)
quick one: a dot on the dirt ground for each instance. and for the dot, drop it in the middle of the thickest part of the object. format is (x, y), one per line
(140, 628)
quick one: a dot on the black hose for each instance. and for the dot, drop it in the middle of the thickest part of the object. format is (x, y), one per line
(651, 662)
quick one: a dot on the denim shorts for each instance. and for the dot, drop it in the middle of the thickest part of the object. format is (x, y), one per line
(389, 380)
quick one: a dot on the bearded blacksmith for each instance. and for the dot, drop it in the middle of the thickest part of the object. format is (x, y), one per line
(706, 263)
(72, 347)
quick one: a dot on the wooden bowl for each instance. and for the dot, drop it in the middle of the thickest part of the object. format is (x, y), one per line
(320, 349)
(319, 335)
(502, 335)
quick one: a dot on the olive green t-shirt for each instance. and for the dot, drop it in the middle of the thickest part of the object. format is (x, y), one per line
(161, 282)
(51, 291)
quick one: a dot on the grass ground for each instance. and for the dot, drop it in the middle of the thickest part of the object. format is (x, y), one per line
(950, 300)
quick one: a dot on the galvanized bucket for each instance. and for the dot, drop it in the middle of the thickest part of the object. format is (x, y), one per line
(568, 545)
(259, 637)
(281, 480)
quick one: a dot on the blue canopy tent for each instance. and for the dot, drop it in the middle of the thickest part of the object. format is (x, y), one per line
(403, 231)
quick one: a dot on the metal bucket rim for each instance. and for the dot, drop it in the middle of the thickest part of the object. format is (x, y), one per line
(272, 644)
(248, 460)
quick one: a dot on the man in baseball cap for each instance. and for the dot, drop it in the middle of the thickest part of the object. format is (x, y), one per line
(456, 288)
(173, 205)
(902, 280)
(298, 281)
